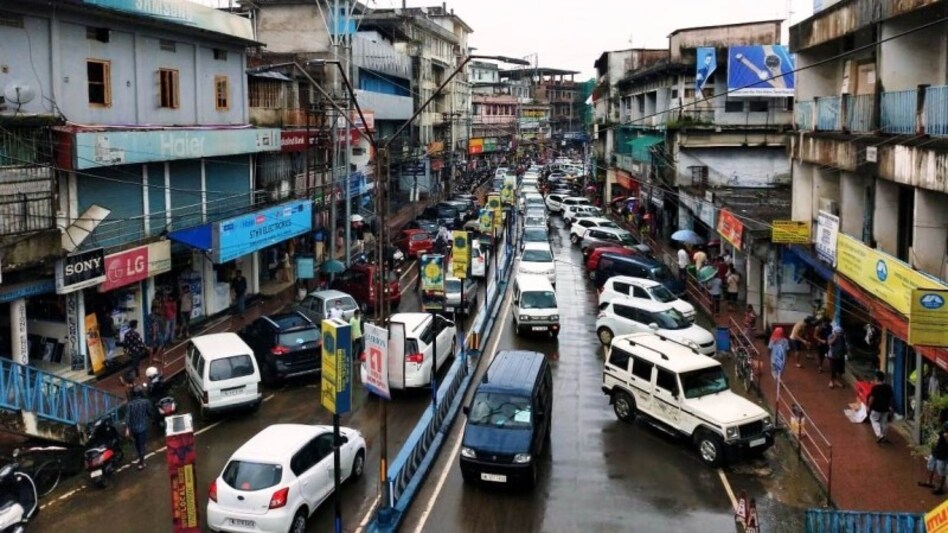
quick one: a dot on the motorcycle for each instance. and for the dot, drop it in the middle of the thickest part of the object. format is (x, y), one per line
(19, 502)
(159, 394)
(103, 452)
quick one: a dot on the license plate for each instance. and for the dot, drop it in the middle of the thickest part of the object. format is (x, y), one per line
(242, 523)
(232, 392)
(95, 473)
(758, 442)
(497, 478)
(539, 328)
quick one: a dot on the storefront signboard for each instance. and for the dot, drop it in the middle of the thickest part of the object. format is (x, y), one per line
(928, 321)
(336, 390)
(730, 228)
(475, 146)
(827, 229)
(81, 270)
(184, 12)
(136, 264)
(936, 520)
(9, 293)
(239, 236)
(880, 274)
(790, 232)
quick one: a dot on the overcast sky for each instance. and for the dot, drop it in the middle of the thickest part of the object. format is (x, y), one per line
(572, 35)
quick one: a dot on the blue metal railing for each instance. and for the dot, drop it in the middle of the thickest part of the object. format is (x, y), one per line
(859, 113)
(827, 113)
(936, 110)
(834, 521)
(803, 113)
(51, 397)
(898, 112)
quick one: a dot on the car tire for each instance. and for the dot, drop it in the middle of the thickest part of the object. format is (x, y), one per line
(710, 448)
(605, 336)
(573, 238)
(517, 330)
(298, 525)
(624, 406)
(468, 477)
(555, 333)
(358, 466)
(266, 375)
(531, 480)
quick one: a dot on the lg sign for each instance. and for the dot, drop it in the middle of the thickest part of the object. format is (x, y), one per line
(125, 268)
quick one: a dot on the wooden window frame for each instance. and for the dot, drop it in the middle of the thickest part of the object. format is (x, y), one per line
(218, 80)
(175, 97)
(106, 82)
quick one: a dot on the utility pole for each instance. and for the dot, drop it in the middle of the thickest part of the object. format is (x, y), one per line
(347, 66)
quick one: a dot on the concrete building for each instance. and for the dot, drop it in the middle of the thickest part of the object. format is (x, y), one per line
(152, 170)
(869, 165)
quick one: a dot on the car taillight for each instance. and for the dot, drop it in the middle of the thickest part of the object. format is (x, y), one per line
(416, 358)
(279, 350)
(279, 498)
(212, 491)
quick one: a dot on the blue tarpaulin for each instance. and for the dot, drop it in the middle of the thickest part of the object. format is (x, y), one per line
(198, 237)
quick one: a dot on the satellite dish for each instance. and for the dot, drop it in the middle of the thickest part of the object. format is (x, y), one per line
(19, 93)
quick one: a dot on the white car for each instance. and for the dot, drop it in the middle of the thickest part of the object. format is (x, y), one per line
(278, 478)
(479, 259)
(537, 259)
(644, 289)
(554, 202)
(500, 172)
(572, 212)
(576, 200)
(531, 199)
(411, 348)
(580, 225)
(623, 315)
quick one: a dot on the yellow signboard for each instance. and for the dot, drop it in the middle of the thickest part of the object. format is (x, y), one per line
(936, 520)
(336, 381)
(460, 254)
(884, 276)
(928, 322)
(790, 232)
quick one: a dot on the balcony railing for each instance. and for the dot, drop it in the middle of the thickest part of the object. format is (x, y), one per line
(827, 113)
(936, 110)
(898, 112)
(922, 111)
(804, 115)
(858, 112)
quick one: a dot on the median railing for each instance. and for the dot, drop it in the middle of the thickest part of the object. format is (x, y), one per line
(834, 521)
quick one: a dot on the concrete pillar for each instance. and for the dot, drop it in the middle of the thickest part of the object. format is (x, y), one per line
(930, 246)
(20, 349)
(825, 188)
(885, 226)
(802, 207)
(852, 205)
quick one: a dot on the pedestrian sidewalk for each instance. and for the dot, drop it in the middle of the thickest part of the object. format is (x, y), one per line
(172, 361)
(865, 475)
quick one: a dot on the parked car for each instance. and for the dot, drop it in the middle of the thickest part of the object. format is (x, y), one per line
(466, 210)
(573, 212)
(534, 234)
(222, 373)
(356, 281)
(317, 304)
(285, 345)
(429, 226)
(624, 315)
(637, 266)
(277, 479)
(457, 302)
(596, 252)
(613, 236)
(537, 259)
(576, 200)
(411, 348)
(580, 225)
(414, 242)
(444, 214)
(554, 202)
(644, 289)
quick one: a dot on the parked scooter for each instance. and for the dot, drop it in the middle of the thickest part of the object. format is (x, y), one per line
(160, 396)
(19, 502)
(104, 452)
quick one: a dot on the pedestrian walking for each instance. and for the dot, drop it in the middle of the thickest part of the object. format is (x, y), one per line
(880, 406)
(821, 337)
(714, 289)
(750, 321)
(239, 286)
(798, 342)
(134, 346)
(683, 262)
(938, 462)
(127, 379)
(138, 416)
(336, 311)
(286, 272)
(156, 326)
(733, 281)
(185, 307)
(778, 346)
(319, 238)
(355, 328)
(838, 348)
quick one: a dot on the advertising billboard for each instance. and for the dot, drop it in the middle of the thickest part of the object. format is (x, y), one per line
(461, 254)
(762, 70)
(376, 361)
(336, 386)
(707, 63)
(239, 236)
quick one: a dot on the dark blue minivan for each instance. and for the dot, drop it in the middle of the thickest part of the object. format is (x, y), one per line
(508, 420)
(637, 266)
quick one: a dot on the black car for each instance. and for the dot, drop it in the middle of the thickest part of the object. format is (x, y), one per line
(285, 345)
(444, 214)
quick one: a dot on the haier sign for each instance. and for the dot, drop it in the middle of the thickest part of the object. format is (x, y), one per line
(98, 149)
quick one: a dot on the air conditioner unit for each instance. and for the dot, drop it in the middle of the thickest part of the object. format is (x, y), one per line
(829, 205)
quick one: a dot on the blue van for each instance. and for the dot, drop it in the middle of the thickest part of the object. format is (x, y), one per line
(508, 421)
(637, 266)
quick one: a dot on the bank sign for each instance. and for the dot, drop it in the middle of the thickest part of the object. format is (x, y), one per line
(239, 236)
(98, 149)
(79, 271)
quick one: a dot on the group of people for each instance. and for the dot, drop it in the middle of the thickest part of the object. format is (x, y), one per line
(726, 283)
(828, 338)
(170, 317)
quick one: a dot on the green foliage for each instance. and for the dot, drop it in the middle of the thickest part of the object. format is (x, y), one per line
(930, 420)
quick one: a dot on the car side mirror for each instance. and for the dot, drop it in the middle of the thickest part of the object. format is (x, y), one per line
(466, 410)
(653, 326)
(343, 439)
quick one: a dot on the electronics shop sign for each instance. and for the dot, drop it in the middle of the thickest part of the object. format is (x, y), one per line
(249, 233)
(79, 271)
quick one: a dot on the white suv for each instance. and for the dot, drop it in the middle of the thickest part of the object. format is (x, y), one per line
(673, 387)
(572, 212)
(644, 289)
(554, 202)
(580, 226)
(537, 259)
(623, 315)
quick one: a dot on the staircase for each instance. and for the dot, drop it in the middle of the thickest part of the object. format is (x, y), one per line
(39, 404)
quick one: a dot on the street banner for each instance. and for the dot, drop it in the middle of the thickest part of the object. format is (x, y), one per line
(376, 361)
(936, 520)
(460, 254)
(94, 342)
(507, 189)
(928, 320)
(730, 228)
(181, 455)
(485, 221)
(336, 389)
(706, 65)
(432, 272)
(790, 232)
(760, 71)
(493, 202)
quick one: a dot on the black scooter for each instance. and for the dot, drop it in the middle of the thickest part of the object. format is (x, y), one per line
(19, 502)
(104, 452)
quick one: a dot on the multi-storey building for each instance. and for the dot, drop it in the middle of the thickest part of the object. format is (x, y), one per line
(869, 165)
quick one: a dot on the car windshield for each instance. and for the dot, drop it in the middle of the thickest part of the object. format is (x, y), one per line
(670, 319)
(500, 410)
(419, 237)
(607, 224)
(299, 336)
(250, 476)
(537, 256)
(452, 285)
(236, 366)
(534, 200)
(534, 221)
(661, 273)
(627, 239)
(534, 235)
(703, 382)
(661, 294)
(538, 300)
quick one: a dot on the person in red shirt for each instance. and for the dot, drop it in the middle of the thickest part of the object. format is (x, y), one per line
(169, 309)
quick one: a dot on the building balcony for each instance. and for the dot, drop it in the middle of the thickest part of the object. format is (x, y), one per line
(268, 117)
(495, 120)
(386, 106)
(919, 111)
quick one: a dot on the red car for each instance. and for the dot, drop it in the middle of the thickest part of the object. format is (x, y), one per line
(592, 262)
(414, 242)
(355, 282)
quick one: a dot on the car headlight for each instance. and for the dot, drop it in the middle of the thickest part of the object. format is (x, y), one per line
(522, 458)
(524, 317)
(468, 453)
(768, 423)
(554, 317)
(733, 432)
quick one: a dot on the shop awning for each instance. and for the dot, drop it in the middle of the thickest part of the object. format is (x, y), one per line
(641, 147)
(822, 269)
(269, 74)
(198, 237)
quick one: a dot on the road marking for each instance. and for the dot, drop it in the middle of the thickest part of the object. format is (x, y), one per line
(408, 270)
(443, 477)
(368, 515)
(727, 488)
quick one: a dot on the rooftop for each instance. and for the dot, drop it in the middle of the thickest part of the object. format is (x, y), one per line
(731, 25)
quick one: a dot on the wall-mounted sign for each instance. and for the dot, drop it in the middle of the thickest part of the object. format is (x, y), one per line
(827, 229)
(790, 232)
(239, 236)
(730, 228)
(184, 12)
(81, 270)
(98, 149)
(928, 321)
(760, 70)
(136, 264)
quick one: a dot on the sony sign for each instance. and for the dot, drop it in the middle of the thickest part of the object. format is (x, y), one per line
(79, 271)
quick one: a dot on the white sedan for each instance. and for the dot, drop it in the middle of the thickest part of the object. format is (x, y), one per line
(278, 478)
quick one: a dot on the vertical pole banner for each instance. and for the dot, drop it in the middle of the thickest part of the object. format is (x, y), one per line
(376, 361)
(181, 456)
(336, 386)
(461, 254)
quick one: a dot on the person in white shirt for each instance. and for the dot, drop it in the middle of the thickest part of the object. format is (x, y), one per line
(683, 262)
(336, 311)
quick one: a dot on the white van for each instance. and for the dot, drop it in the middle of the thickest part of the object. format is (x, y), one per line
(411, 346)
(534, 305)
(222, 373)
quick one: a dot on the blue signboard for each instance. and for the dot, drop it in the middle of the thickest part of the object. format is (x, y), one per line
(186, 12)
(706, 65)
(305, 267)
(103, 149)
(760, 71)
(239, 236)
(9, 293)
(336, 381)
